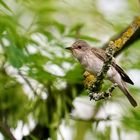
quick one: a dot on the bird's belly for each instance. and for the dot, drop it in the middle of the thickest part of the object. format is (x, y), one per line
(93, 64)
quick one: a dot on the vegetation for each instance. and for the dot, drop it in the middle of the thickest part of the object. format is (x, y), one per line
(41, 85)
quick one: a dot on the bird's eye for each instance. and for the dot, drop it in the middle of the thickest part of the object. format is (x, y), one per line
(79, 47)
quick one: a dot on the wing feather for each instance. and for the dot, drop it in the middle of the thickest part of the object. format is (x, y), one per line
(101, 55)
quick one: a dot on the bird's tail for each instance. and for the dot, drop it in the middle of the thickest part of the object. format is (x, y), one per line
(123, 87)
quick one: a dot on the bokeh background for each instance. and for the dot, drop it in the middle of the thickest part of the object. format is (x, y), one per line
(42, 96)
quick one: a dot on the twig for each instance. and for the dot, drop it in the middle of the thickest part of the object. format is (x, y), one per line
(94, 91)
(27, 82)
(90, 119)
(102, 95)
(96, 86)
(62, 137)
(6, 130)
(133, 35)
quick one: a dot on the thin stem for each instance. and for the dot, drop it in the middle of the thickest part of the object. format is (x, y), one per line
(28, 83)
(6, 130)
(91, 119)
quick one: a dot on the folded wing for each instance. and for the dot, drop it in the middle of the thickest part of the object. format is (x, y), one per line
(101, 55)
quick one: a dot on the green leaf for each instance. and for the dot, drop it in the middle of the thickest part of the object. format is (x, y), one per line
(41, 75)
(84, 37)
(15, 56)
(59, 26)
(75, 75)
(49, 35)
(5, 5)
(37, 59)
(76, 27)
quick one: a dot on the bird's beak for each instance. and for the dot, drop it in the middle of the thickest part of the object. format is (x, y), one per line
(68, 48)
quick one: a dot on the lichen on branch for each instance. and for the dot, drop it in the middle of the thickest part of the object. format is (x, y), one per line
(94, 83)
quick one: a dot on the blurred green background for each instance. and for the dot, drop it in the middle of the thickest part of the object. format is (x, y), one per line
(42, 96)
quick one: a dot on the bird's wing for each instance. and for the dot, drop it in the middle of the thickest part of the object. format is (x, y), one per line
(124, 76)
(101, 55)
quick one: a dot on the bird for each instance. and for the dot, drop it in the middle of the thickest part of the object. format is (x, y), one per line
(92, 59)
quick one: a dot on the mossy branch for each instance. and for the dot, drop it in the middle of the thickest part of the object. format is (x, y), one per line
(112, 48)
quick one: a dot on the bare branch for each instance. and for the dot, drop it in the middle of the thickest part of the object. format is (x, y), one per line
(28, 83)
(6, 131)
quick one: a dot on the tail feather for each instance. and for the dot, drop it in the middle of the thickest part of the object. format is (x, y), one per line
(130, 98)
(128, 95)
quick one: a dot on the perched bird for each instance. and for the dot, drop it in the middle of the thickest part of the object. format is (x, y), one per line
(92, 59)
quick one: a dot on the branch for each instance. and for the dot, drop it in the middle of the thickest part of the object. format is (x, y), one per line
(112, 48)
(96, 87)
(132, 39)
(133, 36)
(6, 130)
(102, 95)
(119, 43)
(28, 83)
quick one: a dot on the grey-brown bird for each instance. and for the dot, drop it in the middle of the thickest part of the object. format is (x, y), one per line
(92, 60)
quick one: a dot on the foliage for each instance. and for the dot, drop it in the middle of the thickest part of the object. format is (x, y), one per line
(39, 79)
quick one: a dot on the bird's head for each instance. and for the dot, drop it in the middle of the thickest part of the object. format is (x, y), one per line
(79, 48)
